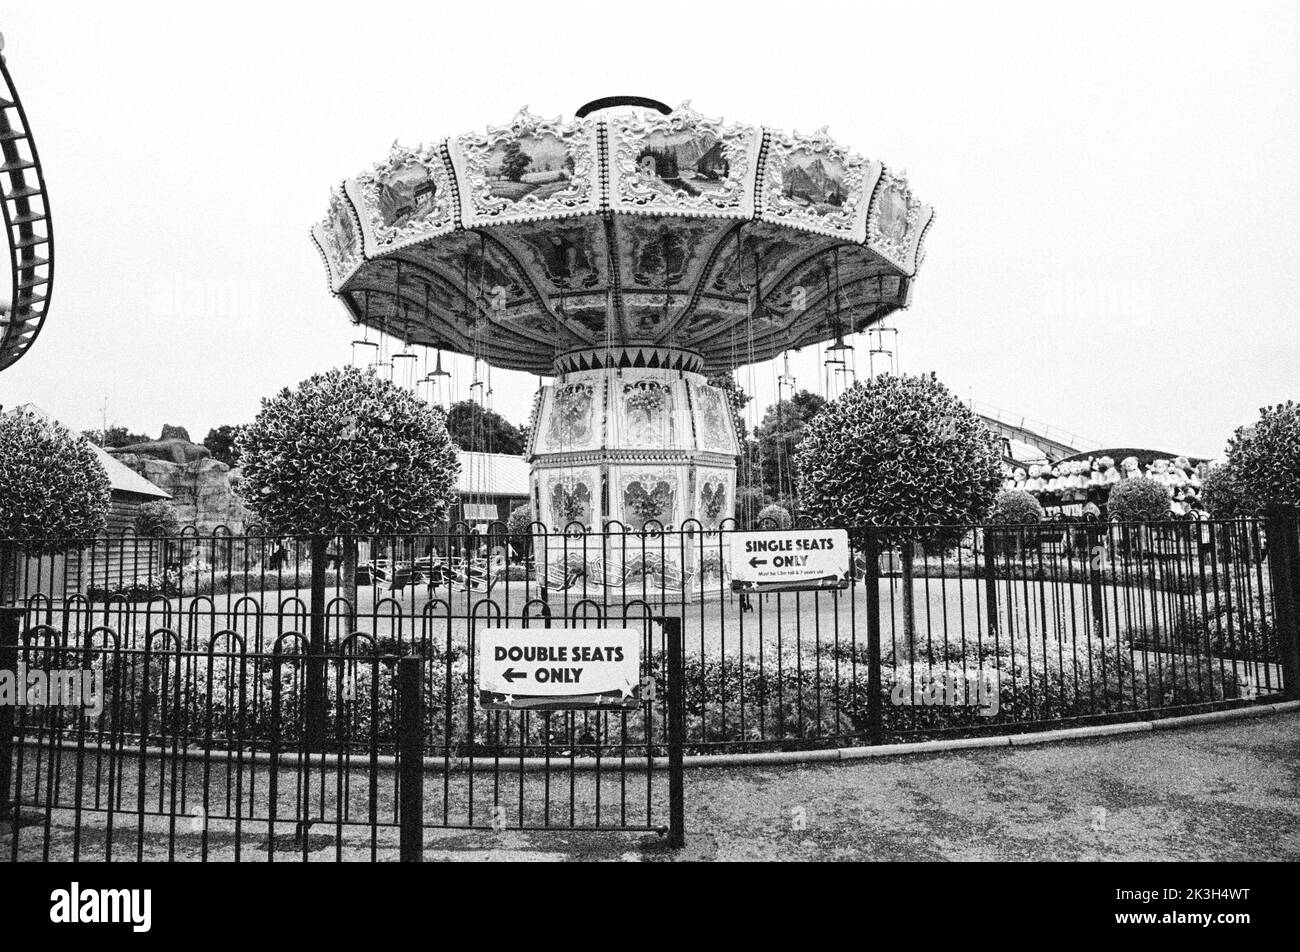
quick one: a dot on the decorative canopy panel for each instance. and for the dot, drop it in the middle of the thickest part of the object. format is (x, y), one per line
(640, 448)
(628, 232)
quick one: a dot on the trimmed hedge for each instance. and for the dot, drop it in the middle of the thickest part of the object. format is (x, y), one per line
(795, 701)
(199, 582)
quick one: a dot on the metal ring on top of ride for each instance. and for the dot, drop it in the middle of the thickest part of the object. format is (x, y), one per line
(614, 102)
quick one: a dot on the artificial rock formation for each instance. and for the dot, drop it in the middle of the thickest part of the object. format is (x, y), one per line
(177, 450)
(202, 489)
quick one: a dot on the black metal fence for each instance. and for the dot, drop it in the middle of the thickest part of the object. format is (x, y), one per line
(165, 751)
(253, 704)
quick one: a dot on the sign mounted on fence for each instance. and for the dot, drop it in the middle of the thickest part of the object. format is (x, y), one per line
(789, 560)
(559, 668)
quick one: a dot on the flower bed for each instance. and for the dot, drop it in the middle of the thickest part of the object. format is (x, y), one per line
(196, 582)
(782, 700)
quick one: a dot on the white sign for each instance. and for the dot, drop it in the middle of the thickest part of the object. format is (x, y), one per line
(479, 511)
(789, 559)
(559, 668)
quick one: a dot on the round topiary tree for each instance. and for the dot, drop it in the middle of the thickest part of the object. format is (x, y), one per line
(347, 454)
(750, 501)
(54, 494)
(1014, 507)
(1223, 495)
(157, 519)
(519, 529)
(1225, 498)
(903, 456)
(1265, 457)
(773, 516)
(1140, 499)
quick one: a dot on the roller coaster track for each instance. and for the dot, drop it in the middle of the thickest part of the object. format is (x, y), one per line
(27, 225)
(1052, 442)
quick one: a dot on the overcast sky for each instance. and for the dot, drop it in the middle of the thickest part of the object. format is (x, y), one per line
(1116, 185)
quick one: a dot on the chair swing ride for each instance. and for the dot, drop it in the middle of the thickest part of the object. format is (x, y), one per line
(631, 254)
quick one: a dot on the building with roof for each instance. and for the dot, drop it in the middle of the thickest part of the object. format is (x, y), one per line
(490, 485)
(117, 559)
(128, 491)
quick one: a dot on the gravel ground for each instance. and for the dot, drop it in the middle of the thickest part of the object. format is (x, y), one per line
(715, 626)
(1230, 792)
(1221, 793)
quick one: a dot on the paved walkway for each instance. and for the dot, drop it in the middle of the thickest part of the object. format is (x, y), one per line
(1221, 793)
(1229, 792)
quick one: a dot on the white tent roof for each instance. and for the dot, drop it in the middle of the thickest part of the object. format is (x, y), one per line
(1024, 453)
(126, 480)
(492, 474)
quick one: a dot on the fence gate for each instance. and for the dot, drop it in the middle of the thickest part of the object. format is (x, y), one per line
(572, 727)
(260, 747)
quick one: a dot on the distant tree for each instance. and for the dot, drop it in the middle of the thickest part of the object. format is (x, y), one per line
(157, 519)
(1265, 457)
(347, 454)
(54, 494)
(483, 431)
(1140, 499)
(514, 162)
(1013, 507)
(749, 501)
(114, 436)
(900, 455)
(1223, 495)
(518, 529)
(221, 441)
(773, 516)
(749, 472)
(170, 432)
(778, 436)
(1225, 498)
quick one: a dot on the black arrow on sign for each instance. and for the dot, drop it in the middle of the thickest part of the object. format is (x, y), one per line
(755, 562)
(510, 674)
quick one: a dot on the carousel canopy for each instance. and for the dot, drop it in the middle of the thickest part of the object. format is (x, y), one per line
(625, 235)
